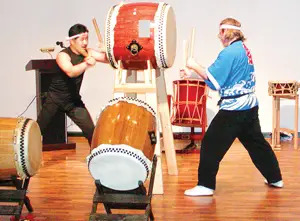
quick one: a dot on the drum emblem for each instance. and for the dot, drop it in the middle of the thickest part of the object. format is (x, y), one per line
(134, 47)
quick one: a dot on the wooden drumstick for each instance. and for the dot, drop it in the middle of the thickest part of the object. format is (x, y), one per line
(98, 33)
(192, 43)
(185, 54)
(81, 50)
(185, 50)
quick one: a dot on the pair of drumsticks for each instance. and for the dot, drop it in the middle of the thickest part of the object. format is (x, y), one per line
(101, 44)
(188, 51)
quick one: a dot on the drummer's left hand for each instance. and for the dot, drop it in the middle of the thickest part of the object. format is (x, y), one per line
(90, 60)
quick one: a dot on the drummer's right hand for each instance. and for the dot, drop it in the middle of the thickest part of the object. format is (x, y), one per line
(191, 63)
(185, 73)
(101, 47)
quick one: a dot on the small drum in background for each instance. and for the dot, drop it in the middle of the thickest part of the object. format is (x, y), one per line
(283, 88)
(123, 144)
(20, 147)
(138, 32)
(189, 105)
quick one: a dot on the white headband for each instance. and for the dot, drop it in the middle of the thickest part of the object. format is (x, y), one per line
(75, 36)
(224, 26)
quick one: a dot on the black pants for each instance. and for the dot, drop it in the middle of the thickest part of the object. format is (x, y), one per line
(77, 113)
(223, 130)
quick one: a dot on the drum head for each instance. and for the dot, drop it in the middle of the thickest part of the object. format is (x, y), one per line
(166, 36)
(28, 148)
(171, 37)
(118, 167)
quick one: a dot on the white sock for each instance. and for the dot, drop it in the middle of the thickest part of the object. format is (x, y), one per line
(199, 191)
(278, 184)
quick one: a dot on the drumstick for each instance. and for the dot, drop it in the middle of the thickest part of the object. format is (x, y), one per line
(191, 52)
(98, 33)
(81, 50)
(185, 52)
(185, 47)
(192, 43)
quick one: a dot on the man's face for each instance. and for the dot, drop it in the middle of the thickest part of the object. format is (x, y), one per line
(82, 40)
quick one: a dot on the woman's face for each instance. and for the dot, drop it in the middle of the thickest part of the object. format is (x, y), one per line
(222, 38)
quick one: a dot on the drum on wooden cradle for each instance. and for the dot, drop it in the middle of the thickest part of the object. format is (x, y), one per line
(138, 32)
(283, 88)
(20, 147)
(123, 144)
(189, 104)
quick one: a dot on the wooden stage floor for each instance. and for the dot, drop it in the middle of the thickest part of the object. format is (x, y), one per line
(63, 189)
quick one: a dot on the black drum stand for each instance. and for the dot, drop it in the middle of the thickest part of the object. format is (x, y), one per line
(17, 196)
(137, 199)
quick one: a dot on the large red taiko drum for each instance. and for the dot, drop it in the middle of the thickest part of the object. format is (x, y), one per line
(139, 32)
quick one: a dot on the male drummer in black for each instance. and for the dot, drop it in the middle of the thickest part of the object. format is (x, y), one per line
(63, 94)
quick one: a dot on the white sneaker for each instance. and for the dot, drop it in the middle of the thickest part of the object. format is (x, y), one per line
(199, 191)
(278, 184)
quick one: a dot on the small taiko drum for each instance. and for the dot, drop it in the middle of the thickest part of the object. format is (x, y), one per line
(139, 32)
(20, 147)
(123, 144)
(189, 104)
(283, 88)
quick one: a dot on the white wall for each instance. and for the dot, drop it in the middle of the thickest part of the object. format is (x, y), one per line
(271, 27)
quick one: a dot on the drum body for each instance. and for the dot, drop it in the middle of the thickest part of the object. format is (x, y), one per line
(137, 32)
(123, 144)
(20, 147)
(189, 105)
(283, 88)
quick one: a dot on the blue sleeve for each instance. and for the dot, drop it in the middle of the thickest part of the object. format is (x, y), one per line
(219, 71)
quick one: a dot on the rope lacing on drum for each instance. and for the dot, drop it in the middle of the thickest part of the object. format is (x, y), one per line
(22, 146)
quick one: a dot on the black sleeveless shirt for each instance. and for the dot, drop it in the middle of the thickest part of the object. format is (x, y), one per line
(63, 89)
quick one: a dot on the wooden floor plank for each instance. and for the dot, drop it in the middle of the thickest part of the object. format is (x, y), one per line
(63, 189)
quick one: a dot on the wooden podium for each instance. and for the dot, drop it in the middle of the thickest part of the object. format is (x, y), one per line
(55, 137)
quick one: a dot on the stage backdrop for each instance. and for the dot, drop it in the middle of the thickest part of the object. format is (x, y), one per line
(271, 27)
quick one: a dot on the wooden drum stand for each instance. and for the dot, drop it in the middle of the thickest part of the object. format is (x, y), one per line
(287, 90)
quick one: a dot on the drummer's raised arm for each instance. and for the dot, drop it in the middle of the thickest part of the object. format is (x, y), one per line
(98, 55)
